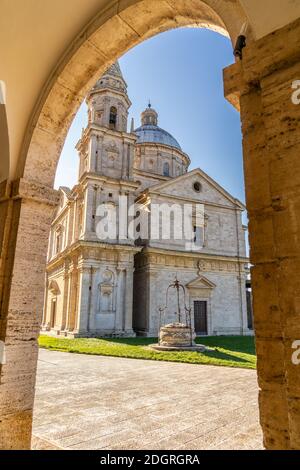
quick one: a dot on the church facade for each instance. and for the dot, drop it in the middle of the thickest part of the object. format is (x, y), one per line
(114, 286)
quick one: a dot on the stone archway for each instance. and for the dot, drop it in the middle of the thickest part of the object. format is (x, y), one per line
(111, 34)
(29, 201)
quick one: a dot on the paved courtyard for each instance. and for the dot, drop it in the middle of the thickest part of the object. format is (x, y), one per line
(96, 402)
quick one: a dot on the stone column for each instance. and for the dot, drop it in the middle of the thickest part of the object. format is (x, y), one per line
(94, 209)
(75, 220)
(70, 220)
(262, 83)
(26, 212)
(152, 318)
(88, 210)
(173, 166)
(128, 300)
(94, 298)
(130, 160)
(84, 300)
(72, 299)
(120, 299)
(93, 148)
(124, 160)
(122, 219)
(98, 201)
(66, 299)
(99, 154)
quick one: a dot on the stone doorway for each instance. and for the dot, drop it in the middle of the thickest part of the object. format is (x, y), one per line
(200, 317)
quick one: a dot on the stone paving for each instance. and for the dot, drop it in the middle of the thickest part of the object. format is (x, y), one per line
(96, 402)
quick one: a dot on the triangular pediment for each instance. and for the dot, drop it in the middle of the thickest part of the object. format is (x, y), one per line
(210, 192)
(65, 195)
(201, 282)
(53, 287)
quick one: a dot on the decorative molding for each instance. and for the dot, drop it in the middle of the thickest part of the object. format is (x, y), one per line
(53, 287)
(201, 282)
(184, 261)
(111, 147)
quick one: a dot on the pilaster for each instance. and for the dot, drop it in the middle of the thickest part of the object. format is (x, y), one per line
(128, 300)
(120, 311)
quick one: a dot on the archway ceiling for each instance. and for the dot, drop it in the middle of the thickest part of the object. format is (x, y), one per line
(31, 43)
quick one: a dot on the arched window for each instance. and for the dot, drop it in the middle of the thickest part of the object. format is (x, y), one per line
(113, 117)
(166, 169)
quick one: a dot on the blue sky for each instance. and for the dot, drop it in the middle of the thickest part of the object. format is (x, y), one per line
(180, 71)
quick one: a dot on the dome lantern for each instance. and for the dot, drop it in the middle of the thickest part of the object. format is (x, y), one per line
(149, 117)
(149, 132)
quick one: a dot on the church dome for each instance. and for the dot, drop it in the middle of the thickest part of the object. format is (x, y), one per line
(149, 132)
(155, 135)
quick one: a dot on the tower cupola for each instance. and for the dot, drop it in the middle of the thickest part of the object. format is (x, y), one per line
(149, 117)
(108, 102)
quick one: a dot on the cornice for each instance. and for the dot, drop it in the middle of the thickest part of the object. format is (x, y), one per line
(75, 248)
(204, 256)
(106, 179)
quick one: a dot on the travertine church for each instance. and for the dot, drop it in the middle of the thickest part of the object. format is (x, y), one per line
(115, 287)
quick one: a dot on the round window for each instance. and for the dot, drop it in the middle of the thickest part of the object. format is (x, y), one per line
(197, 187)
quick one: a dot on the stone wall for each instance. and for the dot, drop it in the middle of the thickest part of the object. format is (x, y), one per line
(226, 297)
(223, 231)
(92, 285)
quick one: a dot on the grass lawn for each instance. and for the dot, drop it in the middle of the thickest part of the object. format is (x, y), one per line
(230, 351)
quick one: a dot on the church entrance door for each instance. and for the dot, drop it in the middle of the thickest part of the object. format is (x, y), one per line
(200, 317)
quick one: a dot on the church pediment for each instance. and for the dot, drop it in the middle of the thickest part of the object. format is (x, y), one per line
(201, 282)
(196, 185)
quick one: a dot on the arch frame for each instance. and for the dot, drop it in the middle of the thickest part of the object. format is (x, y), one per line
(265, 67)
(115, 30)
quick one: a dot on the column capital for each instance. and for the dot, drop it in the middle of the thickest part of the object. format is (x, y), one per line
(31, 190)
(87, 268)
(72, 269)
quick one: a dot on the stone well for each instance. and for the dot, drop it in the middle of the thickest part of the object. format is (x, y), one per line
(177, 337)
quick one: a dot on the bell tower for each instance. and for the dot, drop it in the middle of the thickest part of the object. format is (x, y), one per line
(106, 152)
(105, 147)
